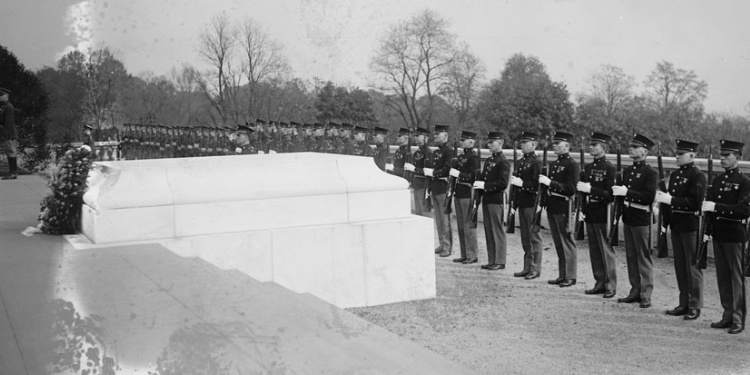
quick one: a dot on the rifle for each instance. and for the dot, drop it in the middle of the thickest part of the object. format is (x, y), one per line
(707, 219)
(581, 201)
(662, 240)
(746, 254)
(541, 194)
(452, 180)
(511, 222)
(614, 230)
(476, 195)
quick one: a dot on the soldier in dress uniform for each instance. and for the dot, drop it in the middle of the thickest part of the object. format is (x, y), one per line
(347, 144)
(639, 188)
(527, 182)
(437, 180)
(729, 201)
(380, 156)
(562, 180)
(361, 147)
(465, 169)
(494, 180)
(243, 146)
(401, 154)
(88, 139)
(683, 201)
(416, 167)
(596, 182)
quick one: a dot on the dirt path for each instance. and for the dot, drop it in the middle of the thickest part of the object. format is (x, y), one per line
(496, 323)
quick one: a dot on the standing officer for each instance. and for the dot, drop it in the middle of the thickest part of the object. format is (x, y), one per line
(361, 147)
(494, 181)
(685, 194)
(419, 181)
(10, 135)
(465, 169)
(88, 140)
(381, 147)
(562, 180)
(639, 189)
(527, 183)
(438, 185)
(401, 154)
(597, 181)
(729, 200)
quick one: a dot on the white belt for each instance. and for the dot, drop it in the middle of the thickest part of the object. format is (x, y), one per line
(559, 196)
(636, 205)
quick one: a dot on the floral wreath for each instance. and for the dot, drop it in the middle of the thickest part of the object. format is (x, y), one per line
(61, 209)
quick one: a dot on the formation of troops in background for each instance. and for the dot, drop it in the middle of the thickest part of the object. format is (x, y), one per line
(695, 208)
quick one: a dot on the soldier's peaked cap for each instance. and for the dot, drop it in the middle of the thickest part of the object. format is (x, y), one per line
(421, 131)
(441, 128)
(347, 125)
(562, 137)
(528, 136)
(728, 146)
(640, 140)
(89, 127)
(244, 129)
(294, 123)
(600, 137)
(685, 146)
(260, 121)
(403, 131)
(333, 124)
(491, 136)
(4, 91)
(379, 130)
(318, 125)
(468, 135)
(360, 129)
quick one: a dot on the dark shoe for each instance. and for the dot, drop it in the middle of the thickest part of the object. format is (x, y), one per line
(485, 266)
(521, 274)
(567, 282)
(629, 299)
(459, 260)
(736, 328)
(11, 176)
(532, 276)
(645, 303)
(692, 314)
(609, 294)
(470, 261)
(721, 324)
(556, 281)
(677, 311)
(438, 250)
(594, 291)
(445, 255)
(496, 267)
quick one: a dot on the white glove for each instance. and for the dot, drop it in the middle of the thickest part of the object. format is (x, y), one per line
(261, 152)
(663, 197)
(428, 172)
(584, 187)
(619, 191)
(389, 167)
(708, 206)
(479, 185)
(409, 167)
(238, 150)
(271, 152)
(544, 180)
(454, 172)
(516, 181)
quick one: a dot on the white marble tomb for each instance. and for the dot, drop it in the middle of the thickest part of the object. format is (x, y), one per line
(334, 226)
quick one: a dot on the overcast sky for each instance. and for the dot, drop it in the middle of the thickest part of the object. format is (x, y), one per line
(334, 40)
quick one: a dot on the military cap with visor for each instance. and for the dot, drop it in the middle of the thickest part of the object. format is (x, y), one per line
(728, 147)
(682, 146)
(640, 140)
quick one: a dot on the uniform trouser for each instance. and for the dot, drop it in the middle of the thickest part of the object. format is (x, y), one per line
(467, 236)
(494, 233)
(728, 259)
(419, 208)
(531, 241)
(689, 276)
(567, 257)
(603, 262)
(640, 267)
(442, 223)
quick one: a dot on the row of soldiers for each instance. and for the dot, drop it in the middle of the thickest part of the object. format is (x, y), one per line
(155, 141)
(443, 177)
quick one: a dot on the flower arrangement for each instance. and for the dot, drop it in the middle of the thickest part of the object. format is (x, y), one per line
(61, 209)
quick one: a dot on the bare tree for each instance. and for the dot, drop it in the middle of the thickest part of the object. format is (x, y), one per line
(413, 60)
(462, 90)
(611, 87)
(217, 47)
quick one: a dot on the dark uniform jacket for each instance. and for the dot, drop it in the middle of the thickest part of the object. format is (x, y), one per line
(528, 169)
(495, 174)
(381, 155)
(564, 173)
(7, 121)
(468, 165)
(418, 160)
(601, 175)
(731, 192)
(399, 159)
(362, 149)
(640, 179)
(441, 163)
(687, 185)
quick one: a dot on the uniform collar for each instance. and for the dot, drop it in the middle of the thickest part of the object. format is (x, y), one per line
(530, 154)
(600, 160)
(639, 163)
(469, 150)
(563, 156)
(732, 171)
(495, 154)
(687, 166)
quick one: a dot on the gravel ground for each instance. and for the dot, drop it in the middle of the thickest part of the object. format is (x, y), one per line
(495, 323)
